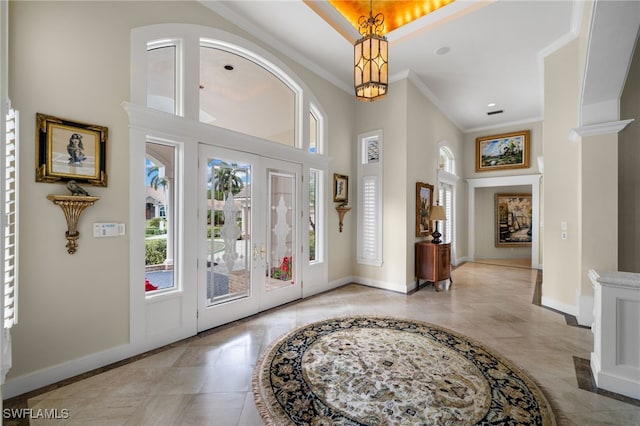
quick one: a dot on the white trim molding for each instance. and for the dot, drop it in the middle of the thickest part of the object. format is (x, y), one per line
(534, 181)
(599, 129)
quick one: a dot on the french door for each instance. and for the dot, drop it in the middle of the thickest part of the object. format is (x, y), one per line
(249, 218)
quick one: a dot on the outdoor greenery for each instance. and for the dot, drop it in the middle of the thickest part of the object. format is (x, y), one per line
(153, 226)
(226, 179)
(155, 251)
(156, 180)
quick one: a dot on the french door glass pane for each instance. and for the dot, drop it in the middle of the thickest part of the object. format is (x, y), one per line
(228, 231)
(281, 240)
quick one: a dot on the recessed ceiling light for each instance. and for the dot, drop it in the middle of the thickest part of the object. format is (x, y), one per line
(491, 104)
(443, 50)
(228, 67)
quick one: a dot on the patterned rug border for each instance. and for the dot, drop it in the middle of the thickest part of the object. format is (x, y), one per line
(557, 417)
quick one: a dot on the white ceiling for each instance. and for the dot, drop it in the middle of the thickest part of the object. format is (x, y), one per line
(496, 50)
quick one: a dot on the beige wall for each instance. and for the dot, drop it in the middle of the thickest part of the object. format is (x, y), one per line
(427, 128)
(629, 172)
(389, 116)
(561, 258)
(413, 127)
(71, 59)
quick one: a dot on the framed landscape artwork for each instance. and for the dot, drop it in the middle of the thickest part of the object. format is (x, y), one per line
(506, 151)
(513, 220)
(67, 150)
(424, 201)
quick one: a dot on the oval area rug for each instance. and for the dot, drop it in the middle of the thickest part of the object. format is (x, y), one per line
(381, 371)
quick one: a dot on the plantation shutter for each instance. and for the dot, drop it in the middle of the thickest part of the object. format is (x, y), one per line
(10, 225)
(369, 216)
(9, 158)
(445, 195)
(369, 236)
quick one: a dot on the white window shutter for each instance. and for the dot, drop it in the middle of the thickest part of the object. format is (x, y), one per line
(9, 229)
(369, 250)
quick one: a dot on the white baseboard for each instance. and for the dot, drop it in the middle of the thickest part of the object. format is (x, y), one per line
(559, 306)
(340, 282)
(398, 288)
(460, 261)
(617, 384)
(47, 376)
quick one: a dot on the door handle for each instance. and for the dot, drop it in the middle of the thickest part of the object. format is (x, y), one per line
(262, 251)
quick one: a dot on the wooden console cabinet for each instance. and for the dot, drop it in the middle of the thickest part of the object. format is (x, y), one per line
(433, 263)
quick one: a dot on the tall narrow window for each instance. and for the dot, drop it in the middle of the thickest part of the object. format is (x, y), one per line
(160, 216)
(161, 76)
(316, 125)
(315, 222)
(447, 160)
(445, 195)
(313, 133)
(370, 199)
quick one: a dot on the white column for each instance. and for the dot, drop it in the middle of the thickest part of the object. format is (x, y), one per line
(615, 360)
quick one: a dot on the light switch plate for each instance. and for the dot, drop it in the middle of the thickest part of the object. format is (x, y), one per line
(108, 230)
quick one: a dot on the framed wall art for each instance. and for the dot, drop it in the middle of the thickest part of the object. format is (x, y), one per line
(341, 189)
(506, 151)
(424, 201)
(68, 150)
(513, 220)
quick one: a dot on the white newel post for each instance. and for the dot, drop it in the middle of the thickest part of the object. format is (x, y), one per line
(615, 361)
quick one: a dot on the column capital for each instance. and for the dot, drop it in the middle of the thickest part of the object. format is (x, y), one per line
(599, 129)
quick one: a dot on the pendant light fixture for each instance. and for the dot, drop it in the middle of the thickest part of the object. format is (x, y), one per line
(370, 58)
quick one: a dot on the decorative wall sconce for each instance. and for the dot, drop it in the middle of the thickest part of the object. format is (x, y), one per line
(72, 206)
(342, 210)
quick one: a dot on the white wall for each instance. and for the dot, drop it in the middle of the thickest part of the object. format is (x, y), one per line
(71, 59)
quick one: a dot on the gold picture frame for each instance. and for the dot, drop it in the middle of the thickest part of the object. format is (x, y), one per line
(68, 150)
(514, 214)
(424, 201)
(340, 189)
(505, 151)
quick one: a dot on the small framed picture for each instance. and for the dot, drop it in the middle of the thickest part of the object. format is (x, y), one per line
(424, 201)
(67, 150)
(340, 189)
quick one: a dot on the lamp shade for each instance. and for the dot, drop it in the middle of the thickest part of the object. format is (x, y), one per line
(437, 213)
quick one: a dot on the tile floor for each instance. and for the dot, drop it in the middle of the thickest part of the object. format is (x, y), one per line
(206, 380)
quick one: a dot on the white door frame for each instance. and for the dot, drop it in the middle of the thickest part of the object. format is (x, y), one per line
(534, 181)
